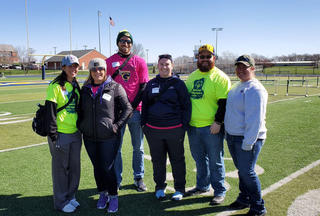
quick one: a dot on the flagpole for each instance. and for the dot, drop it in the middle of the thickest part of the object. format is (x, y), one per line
(70, 31)
(99, 30)
(110, 37)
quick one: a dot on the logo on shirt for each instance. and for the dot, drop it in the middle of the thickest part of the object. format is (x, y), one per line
(125, 75)
(71, 108)
(197, 92)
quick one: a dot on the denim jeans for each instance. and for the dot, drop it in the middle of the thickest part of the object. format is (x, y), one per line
(245, 161)
(207, 151)
(137, 144)
(102, 155)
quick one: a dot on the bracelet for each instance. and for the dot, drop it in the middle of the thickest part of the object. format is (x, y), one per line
(218, 123)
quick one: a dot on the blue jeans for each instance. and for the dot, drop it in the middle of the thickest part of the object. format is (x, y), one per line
(245, 161)
(137, 144)
(102, 155)
(207, 151)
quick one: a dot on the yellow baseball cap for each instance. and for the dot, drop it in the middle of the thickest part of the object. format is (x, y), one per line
(206, 47)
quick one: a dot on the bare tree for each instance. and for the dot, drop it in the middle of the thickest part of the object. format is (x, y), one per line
(138, 49)
(23, 54)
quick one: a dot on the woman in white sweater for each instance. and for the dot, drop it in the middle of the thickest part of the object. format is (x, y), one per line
(246, 132)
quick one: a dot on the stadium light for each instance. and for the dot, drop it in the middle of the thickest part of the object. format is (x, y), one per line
(216, 48)
(147, 55)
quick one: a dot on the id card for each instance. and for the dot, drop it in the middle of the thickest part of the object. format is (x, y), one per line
(155, 90)
(106, 97)
(115, 64)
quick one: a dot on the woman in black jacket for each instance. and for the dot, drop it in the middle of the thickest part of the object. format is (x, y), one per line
(166, 112)
(104, 108)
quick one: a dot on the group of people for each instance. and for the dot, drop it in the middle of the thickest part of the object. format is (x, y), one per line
(118, 92)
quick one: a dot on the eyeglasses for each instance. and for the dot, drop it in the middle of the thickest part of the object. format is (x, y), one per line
(95, 69)
(205, 56)
(166, 56)
(125, 41)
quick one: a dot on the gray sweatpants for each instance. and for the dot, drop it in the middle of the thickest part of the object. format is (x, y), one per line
(65, 167)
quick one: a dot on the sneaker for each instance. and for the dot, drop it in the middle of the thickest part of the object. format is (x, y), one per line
(196, 191)
(217, 200)
(252, 213)
(103, 200)
(177, 196)
(238, 205)
(160, 194)
(74, 202)
(68, 208)
(140, 186)
(113, 204)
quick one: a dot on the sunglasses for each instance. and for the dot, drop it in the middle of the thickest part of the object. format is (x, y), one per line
(95, 69)
(125, 41)
(205, 56)
(166, 56)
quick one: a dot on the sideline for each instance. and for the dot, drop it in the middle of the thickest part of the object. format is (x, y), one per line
(23, 147)
(287, 99)
(278, 184)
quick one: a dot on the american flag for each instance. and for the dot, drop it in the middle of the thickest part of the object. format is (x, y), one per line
(111, 21)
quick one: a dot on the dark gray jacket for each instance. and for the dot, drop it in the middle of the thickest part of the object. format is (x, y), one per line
(103, 112)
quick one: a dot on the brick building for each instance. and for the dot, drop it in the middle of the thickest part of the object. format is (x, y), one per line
(8, 54)
(84, 56)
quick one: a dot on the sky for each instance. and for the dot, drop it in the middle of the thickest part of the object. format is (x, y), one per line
(264, 27)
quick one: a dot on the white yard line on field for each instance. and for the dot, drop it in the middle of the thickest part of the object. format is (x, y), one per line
(18, 121)
(19, 101)
(278, 184)
(11, 118)
(287, 99)
(22, 147)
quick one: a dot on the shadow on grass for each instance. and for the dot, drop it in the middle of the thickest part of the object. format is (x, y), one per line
(135, 203)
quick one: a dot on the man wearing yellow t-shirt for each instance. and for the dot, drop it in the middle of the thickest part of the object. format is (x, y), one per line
(208, 88)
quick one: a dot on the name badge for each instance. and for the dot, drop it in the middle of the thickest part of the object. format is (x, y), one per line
(155, 90)
(106, 97)
(115, 64)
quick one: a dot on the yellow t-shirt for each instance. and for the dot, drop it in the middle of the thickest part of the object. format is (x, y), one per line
(205, 89)
(66, 118)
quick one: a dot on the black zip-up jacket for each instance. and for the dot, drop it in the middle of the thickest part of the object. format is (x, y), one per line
(103, 112)
(169, 108)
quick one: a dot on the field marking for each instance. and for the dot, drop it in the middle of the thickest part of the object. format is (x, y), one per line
(17, 121)
(23, 147)
(11, 118)
(17, 89)
(287, 99)
(20, 101)
(278, 184)
(310, 199)
(5, 113)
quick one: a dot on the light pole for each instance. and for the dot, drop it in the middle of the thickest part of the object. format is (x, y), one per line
(147, 55)
(55, 49)
(99, 14)
(216, 48)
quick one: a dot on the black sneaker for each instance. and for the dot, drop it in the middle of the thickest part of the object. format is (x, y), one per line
(196, 191)
(217, 200)
(252, 213)
(140, 186)
(237, 205)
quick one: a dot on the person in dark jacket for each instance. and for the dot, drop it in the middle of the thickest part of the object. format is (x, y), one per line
(64, 138)
(104, 109)
(166, 112)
